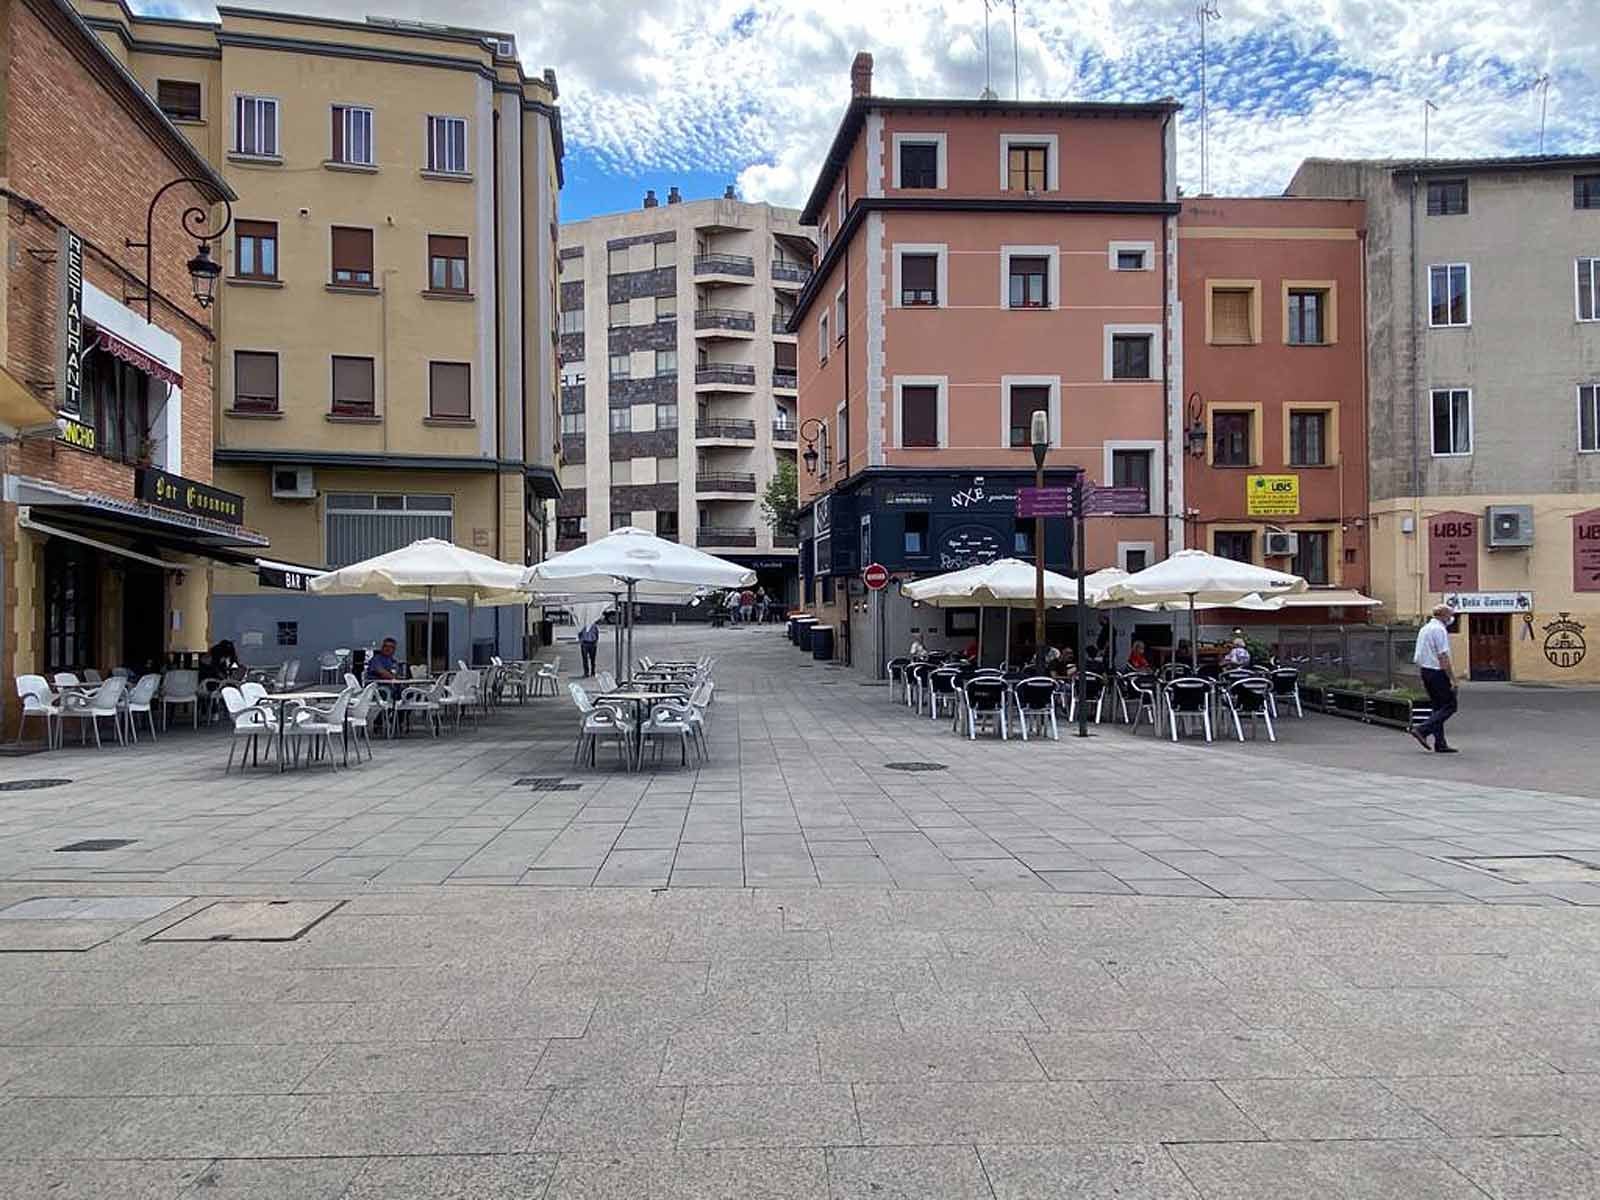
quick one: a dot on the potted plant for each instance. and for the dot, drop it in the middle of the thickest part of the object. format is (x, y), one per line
(1348, 698)
(144, 454)
(1398, 706)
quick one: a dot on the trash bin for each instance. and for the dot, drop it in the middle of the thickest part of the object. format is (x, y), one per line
(822, 643)
(547, 632)
(802, 631)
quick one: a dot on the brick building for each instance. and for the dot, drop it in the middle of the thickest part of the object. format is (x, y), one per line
(108, 521)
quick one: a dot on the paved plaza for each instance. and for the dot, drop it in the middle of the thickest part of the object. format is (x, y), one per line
(1113, 968)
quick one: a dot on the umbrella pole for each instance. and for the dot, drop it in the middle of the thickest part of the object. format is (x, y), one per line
(1006, 660)
(1194, 636)
(428, 621)
(469, 632)
(616, 604)
(979, 663)
(631, 587)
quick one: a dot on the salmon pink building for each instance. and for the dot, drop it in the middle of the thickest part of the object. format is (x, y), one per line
(981, 260)
(1275, 415)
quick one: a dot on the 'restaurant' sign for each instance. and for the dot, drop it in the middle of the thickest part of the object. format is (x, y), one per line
(186, 496)
(69, 328)
(1453, 552)
(1586, 551)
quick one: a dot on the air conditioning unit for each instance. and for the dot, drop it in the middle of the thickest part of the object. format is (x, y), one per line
(1509, 525)
(1282, 544)
(293, 483)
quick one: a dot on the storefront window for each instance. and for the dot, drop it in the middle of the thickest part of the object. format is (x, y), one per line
(116, 402)
(69, 617)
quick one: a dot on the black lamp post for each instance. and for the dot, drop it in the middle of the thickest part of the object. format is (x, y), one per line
(810, 430)
(1040, 437)
(203, 269)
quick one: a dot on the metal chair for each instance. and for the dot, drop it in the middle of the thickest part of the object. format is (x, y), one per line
(1138, 695)
(1036, 700)
(1250, 698)
(986, 704)
(917, 683)
(1090, 688)
(1286, 689)
(1189, 698)
(896, 667)
(941, 690)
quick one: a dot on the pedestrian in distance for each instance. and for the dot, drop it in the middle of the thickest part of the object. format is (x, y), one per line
(588, 645)
(1432, 657)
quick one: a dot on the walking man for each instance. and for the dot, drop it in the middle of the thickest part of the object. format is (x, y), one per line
(1432, 657)
(588, 643)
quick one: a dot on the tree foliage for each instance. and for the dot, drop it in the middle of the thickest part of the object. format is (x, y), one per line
(780, 502)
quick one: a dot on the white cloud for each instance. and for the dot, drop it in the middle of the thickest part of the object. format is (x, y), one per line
(755, 87)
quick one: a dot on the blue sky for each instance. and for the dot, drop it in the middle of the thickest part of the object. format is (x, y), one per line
(704, 93)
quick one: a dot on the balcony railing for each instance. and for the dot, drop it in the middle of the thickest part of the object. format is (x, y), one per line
(742, 430)
(780, 323)
(790, 272)
(726, 481)
(726, 535)
(731, 373)
(725, 318)
(784, 431)
(785, 541)
(788, 380)
(724, 264)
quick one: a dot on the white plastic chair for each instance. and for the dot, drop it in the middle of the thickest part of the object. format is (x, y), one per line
(319, 727)
(253, 692)
(138, 700)
(669, 721)
(38, 701)
(65, 679)
(90, 675)
(418, 699)
(122, 671)
(104, 701)
(364, 709)
(605, 681)
(179, 688)
(599, 721)
(250, 722)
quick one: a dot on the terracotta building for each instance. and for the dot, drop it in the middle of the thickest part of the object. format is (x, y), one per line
(1275, 416)
(981, 260)
(109, 524)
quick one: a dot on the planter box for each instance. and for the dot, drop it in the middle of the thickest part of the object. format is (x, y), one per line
(1313, 696)
(1390, 710)
(1347, 704)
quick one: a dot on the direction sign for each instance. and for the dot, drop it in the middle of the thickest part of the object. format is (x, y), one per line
(875, 576)
(1115, 501)
(1044, 501)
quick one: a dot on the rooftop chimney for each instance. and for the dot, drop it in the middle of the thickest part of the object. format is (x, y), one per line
(861, 74)
(650, 200)
(673, 197)
(728, 193)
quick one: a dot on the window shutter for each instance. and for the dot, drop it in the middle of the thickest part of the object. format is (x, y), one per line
(352, 250)
(919, 273)
(1230, 316)
(450, 390)
(257, 229)
(447, 247)
(352, 384)
(178, 99)
(784, 357)
(255, 379)
(919, 416)
(338, 133)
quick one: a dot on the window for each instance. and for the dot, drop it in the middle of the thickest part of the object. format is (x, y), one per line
(824, 236)
(784, 358)
(115, 403)
(663, 254)
(841, 316)
(572, 424)
(666, 470)
(572, 320)
(1022, 537)
(363, 525)
(352, 257)
(450, 391)
(1447, 197)
(1233, 316)
(1029, 287)
(1130, 356)
(1452, 421)
(255, 126)
(666, 308)
(572, 377)
(919, 280)
(447, 263)
(622, 471)
(179, 99)
(919, 164)
(352, 135)
(621, 520)
(667, 524)
(822, 337)
(1310, 561)
(1307, 316)
(353, 394)
(1131, 469)
(622, 420)
(1589, 417)
(288, 633)
(1448, 301)
(666, 363)
(1135, 558)
(919, 416)
(447, 145)
(1230, 435)
(568, 528)
(666, 416)
(1589, 289)
(1130, 260)
(916, 533)
(1027, 168)
(619, 367)
(1308, 439)
(1586, 191)
(255, 249)
(1237, 544)
(1025, 400)
(255, 381)
(617, 260)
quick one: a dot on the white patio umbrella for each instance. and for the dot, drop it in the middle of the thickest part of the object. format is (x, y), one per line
(428, 569)
(637, 563)
(1006, 583)
(1194, 577)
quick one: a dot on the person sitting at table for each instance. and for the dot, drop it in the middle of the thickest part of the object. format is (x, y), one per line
(1136, 659)
(970, 651)
(1238, 656)
(918, 651)
(383, 664)
(1060, 663)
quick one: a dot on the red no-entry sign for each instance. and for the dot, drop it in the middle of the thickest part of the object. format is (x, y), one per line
(876, 576)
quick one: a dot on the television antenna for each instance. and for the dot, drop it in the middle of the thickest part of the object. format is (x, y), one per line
(1205, 12)
(1016, 65)
(1543, 84)
(1428, 109)
(988, 91)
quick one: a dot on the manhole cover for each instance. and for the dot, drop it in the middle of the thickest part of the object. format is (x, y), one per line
(32, 785)
(90, 908)
(92, 845)
(915, 766)
(248, 921)
(547, 785)
(1535, 868)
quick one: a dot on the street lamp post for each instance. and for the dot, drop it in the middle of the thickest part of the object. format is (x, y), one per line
(1041, 446)
(203, 269)
(810, 430)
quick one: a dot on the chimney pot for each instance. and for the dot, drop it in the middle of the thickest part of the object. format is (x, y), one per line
(650, 200)
(673, 197)
(861, 74)
(728, 194)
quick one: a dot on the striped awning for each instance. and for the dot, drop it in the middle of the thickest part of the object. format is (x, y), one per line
(135, 357)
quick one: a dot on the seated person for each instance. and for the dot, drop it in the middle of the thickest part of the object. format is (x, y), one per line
(1136, 659)
(383, 664)
(1238, 655)
(970, 651)
(918, 651)
(1061, 664)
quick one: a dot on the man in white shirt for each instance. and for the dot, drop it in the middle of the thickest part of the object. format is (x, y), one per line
(1432, 657)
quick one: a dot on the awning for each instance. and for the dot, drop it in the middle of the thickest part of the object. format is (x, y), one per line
(26, 521)
(135, 357)
(20, 409)
(1330, 597)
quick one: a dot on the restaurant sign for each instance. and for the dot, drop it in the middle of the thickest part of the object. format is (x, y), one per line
(75, 433)
(69, 329)
(187, 496)
(1490, 602)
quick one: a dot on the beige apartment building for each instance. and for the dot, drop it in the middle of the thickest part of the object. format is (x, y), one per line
(678, 384)
(386, 357)
(1483, 367)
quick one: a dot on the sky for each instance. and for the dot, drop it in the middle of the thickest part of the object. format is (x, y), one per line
(707, 93)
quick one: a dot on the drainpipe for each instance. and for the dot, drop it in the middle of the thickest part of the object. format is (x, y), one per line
(1416, 404)
(499, 385)
(1177, 464)
(1362, 428)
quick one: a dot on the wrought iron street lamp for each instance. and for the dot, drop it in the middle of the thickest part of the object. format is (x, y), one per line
(203, 269)
(811, 430)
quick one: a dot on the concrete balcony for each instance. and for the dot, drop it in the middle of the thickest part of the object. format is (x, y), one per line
(780, 327)
(785, 381)
(790, 275)
(725, 377)
(710, 323)
(785, 541)
(734, 484)
(725, 268)
(785, 433)
(725, 535)
(722, 429)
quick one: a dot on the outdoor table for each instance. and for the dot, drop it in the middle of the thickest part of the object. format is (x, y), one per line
(638, 699)
(281, 700)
